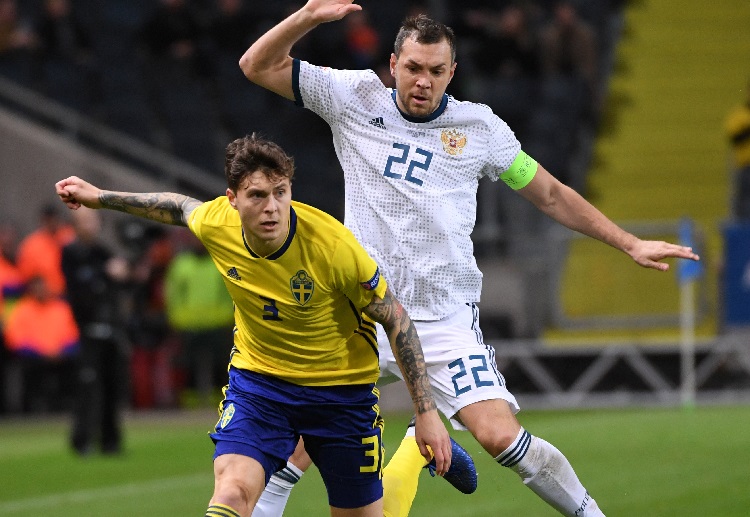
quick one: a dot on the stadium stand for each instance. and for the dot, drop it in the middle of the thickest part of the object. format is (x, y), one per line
(164, 126)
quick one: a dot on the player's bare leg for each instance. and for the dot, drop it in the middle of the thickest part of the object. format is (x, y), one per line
(542, 467)
(274, 498)
(238, 482)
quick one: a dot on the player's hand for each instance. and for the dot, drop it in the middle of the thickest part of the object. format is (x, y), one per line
(430, 431)
(323, 11)
(75, 192)
(651, 253)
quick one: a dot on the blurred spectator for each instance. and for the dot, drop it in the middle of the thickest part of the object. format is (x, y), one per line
(737, 127)
(66, 56)
(39, 254)
(233, 28)
(201, 310)
(93, 276)
(507, 44)
(16, 41)
(42, 336)
(569, 54)
(11, 288)
(505, 61)
(11, 283)
(362, 41)
(13, 33)
(178, 83)
(153, 345)
(172, 34)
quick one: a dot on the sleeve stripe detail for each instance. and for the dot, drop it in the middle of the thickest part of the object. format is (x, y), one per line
(295, 83)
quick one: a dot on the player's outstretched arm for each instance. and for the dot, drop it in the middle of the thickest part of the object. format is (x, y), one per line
(570, 209)
(267, 62)
(162, 207)
(408, 352)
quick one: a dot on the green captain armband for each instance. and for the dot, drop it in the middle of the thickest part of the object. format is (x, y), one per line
(521, 171)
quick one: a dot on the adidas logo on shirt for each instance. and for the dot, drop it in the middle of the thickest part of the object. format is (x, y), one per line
(378, 122)
(233, 274)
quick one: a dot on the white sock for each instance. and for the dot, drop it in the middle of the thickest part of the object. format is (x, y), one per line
(548, 473)
(276, 494)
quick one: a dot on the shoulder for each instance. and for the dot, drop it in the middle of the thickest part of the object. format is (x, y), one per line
(313, 222)
(322, 231)
(358, 80)
(479, 120)
(217, 212)
(475, 112)
(340, 74)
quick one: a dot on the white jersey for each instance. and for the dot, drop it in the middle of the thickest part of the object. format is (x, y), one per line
(410, 183)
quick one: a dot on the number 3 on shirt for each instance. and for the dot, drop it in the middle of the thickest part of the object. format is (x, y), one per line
(426, 158)
(480, 365)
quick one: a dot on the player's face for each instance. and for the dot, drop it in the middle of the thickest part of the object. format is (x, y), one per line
(422, 73)
(264, 207)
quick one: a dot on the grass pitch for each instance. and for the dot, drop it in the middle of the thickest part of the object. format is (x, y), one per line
(646, 462)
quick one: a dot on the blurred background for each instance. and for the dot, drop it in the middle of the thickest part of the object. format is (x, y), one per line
(642, 106)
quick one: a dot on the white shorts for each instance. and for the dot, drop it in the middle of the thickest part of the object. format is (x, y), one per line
(462, 369)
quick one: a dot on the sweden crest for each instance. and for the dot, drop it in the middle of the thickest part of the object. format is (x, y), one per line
(227, 415)
(302, 287)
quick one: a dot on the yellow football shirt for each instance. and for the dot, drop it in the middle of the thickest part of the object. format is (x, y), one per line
(297, 311)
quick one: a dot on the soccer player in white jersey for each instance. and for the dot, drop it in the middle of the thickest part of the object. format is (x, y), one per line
(412, 159)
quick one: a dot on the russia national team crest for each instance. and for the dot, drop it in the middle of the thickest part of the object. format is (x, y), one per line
(302, 286)
(453, 141)
(227, 415)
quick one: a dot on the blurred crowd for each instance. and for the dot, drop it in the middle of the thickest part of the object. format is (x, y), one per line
(91, 328)
(88, 330)
(167, 71)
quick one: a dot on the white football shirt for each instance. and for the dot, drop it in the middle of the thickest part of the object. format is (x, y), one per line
(410, 183)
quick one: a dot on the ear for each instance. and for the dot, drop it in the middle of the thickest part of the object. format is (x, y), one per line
(394, 59)
(452, 71)
(232, 198)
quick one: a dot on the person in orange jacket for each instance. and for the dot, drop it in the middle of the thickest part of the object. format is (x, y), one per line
(42, 336)
(39, 254)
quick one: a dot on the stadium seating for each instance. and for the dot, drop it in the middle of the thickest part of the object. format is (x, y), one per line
(661, 155)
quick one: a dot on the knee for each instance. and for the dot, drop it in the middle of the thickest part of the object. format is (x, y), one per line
(496, 439)
(234, 493)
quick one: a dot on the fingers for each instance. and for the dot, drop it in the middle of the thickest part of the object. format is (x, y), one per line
(442, 459)
(425, 451)
(653, 252)
(440, 450)
(64, 189)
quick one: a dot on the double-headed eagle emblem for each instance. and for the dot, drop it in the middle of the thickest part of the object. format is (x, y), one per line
(453, 141)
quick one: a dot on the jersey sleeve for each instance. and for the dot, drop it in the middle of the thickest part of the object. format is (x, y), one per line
(325, 90)
(356, 274)
(503, 148)
(196, 218)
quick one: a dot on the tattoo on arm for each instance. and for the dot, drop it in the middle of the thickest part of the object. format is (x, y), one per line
(406, 347)
(162, 207)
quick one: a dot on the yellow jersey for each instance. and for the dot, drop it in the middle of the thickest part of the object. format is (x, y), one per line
(297, 311)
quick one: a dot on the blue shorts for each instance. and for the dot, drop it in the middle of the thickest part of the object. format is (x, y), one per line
(263, 417)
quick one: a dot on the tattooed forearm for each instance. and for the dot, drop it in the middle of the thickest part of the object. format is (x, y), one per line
(406, 348)
(162, 207)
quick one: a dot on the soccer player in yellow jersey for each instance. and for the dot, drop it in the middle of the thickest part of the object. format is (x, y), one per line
(305, 360)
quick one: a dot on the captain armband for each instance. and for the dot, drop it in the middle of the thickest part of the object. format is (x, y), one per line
(521, 171)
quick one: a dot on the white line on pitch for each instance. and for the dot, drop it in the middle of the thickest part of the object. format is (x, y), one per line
(84, 496)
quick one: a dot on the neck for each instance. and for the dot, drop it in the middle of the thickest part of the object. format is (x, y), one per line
(262, 247)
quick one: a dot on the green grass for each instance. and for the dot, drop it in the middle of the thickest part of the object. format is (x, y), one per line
(649, 462)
